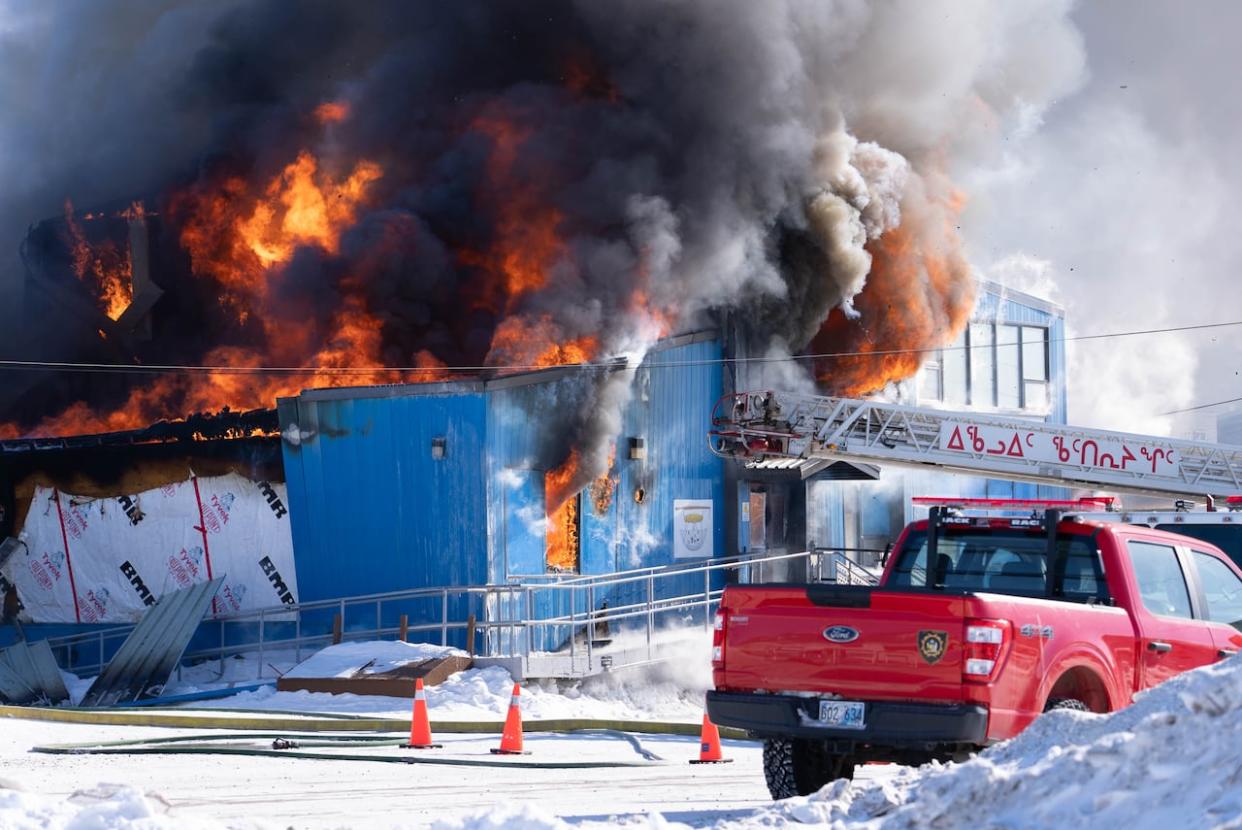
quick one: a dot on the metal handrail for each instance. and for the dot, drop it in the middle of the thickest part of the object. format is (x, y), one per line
(511, 623)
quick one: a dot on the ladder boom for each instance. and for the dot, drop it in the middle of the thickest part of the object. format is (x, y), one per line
(758, 425)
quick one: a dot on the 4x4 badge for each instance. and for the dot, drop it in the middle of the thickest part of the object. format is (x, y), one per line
(932, 645)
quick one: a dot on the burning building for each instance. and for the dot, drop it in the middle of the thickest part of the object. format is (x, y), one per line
(458, 483)
(308, 195)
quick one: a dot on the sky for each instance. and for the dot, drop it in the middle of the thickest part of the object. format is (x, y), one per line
(1118, 206)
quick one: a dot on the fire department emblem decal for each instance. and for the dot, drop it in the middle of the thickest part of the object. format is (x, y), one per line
(932, 645)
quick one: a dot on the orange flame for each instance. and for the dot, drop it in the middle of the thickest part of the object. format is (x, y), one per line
(918, 296)
(236, 237)
(603, 487)
(104, 269)
(520, 341)
(527, 242)
(241, 238)
(562, 537)
(332, 112)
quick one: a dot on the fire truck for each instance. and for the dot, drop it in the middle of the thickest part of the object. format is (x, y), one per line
(989, 612)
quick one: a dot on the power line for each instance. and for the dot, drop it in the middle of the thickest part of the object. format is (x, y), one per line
(114, 368)
(1200, 406)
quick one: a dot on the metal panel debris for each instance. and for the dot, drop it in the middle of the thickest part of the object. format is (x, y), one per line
(29, 675)
(144, 662)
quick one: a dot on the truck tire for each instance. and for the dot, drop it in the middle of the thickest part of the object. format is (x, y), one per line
(1065, 703)
(793, 767)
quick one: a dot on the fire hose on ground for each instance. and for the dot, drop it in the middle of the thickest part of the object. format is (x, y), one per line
(293, 742)
(286, 745)
(334, 722)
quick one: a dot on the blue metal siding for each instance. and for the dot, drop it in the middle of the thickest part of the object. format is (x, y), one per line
(371, 509)
(671, 411)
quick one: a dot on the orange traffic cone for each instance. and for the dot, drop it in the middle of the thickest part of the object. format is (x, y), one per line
(709, 745)
(420, 725)
(511, 738)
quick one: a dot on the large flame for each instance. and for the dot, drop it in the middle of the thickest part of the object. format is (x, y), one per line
(563, 526)
(527, 242)
(104, 269)
(918, 296)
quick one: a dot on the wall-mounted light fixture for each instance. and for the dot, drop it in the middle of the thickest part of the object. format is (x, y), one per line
(638, 449)
(439, 448)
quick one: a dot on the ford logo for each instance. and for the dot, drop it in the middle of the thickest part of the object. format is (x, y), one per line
(840, 634)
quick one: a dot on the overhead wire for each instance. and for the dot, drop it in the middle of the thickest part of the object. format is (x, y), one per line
(1201, 406)
(120, 368)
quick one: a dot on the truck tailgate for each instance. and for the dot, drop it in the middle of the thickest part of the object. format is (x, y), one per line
(855, 642)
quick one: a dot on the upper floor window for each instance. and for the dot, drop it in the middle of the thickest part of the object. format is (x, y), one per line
(991, 365)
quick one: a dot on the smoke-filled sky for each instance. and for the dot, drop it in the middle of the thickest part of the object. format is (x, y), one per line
(1121, 205)
(755, 154)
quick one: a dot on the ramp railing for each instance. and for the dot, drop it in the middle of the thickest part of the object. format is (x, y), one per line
(565, 627)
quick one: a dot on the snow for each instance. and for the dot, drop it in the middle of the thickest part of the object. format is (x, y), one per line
(483, 695)
(669, 691)
(371, 657)
(107, 807)
(1170, 760)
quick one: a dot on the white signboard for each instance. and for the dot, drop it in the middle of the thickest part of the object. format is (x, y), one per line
(692, 529)
(1032, 444)
(106, 560)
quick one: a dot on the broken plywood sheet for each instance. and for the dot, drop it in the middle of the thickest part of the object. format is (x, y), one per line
(386, 668)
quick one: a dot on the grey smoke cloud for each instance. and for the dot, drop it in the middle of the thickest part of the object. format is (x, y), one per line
(720, 155)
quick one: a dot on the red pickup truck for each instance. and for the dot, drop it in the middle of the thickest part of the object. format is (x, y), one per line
(977, 626)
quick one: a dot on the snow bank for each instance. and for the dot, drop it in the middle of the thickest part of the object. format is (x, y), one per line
(371, 657)
(107, 807)
(1170, 760)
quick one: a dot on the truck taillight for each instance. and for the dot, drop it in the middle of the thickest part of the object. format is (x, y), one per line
(718, 632)
(986, 643)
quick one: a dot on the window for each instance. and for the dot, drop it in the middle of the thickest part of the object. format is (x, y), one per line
(1161, 582)
(982, 365)
(929, 384)
(1222, 588)
(1034, 367)
(1007, 562)
(1004, 366)
(1227, 537)
(953, 360)
(1008, 372)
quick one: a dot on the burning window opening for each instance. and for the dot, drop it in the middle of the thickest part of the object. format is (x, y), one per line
(564, 538)
(603, 488)
(103, 268)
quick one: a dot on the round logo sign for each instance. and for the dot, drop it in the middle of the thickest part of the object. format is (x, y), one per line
(840, 634)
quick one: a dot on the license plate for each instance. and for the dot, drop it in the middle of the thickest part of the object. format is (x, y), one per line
(842, 714)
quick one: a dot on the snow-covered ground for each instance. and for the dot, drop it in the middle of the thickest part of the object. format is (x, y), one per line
(1169, 761)
(670, 691)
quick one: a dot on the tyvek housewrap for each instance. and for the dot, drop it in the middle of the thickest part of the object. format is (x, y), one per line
(106, 560)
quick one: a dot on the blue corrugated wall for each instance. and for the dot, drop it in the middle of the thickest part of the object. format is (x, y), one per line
(371, 509)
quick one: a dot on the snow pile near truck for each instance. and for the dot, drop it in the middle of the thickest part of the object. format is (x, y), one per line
(1170, 760)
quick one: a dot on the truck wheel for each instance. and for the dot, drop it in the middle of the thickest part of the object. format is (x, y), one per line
(801, 767)
(1065, 703)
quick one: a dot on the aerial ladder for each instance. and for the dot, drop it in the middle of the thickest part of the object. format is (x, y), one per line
(765, 425)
